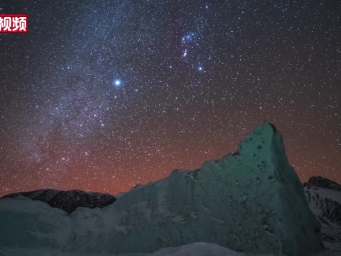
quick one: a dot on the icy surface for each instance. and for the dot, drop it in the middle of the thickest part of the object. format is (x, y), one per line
(249, 201)
(27, 223)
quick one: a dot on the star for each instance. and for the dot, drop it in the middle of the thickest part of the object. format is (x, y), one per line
(186, 64)
(117, 83)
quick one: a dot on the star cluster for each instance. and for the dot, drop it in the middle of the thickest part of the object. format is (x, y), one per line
(102, 95)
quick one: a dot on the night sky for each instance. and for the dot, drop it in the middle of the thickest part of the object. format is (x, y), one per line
(102, 95)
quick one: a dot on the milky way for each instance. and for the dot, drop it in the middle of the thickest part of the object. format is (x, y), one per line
(102, 95)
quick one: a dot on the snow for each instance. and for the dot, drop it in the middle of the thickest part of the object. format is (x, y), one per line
(195, 249)
(323, 202)
(333, 246)
(327, 193)
(198, 249)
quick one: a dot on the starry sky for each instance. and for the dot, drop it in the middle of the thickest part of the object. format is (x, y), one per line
(102, 95)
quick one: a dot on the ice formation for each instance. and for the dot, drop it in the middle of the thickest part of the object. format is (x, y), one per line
(250, 201)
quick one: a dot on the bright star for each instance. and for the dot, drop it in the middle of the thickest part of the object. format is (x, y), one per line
(200, 68)
(117, 82)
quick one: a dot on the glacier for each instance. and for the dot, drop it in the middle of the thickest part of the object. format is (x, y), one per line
(249, 201)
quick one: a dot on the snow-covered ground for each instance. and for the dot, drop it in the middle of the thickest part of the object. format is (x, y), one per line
(195, 249)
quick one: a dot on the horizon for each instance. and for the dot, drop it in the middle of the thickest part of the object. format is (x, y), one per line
(153, 181)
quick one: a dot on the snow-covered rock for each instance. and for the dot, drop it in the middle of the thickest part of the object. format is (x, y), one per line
(250, 201)
(324, 199)
(69, 200)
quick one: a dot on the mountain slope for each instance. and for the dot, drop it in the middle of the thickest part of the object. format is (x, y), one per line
(324, 199)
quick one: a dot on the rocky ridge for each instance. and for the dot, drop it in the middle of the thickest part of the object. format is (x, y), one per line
(324, 199)
(67, 201)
